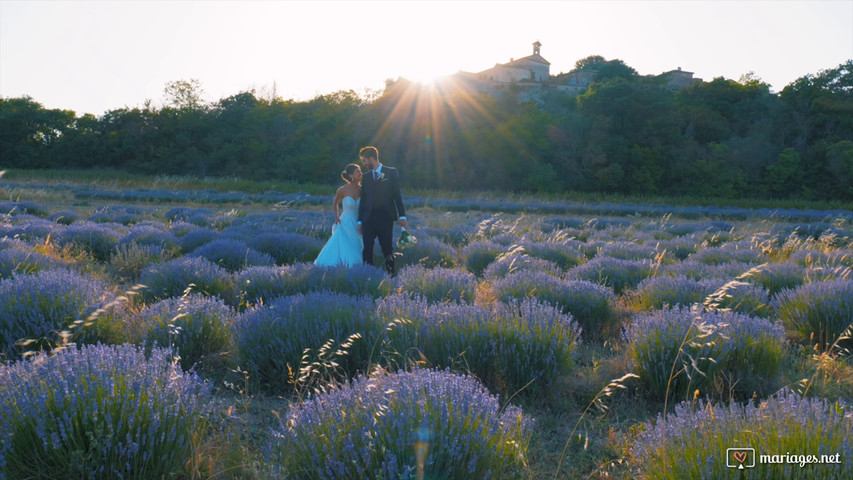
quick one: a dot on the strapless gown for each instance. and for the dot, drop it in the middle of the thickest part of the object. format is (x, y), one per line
(345, 245)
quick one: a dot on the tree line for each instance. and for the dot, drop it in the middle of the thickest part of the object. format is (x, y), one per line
(627, 134)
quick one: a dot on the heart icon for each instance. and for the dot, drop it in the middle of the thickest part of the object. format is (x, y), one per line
(740, 456)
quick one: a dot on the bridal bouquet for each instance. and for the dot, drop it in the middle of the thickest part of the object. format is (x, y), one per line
(406, 239)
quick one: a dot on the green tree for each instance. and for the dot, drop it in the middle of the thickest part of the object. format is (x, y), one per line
(783, 175)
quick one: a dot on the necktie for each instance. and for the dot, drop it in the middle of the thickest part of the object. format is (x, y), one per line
(375, 175)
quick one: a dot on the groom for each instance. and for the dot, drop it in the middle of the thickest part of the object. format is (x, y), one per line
(381, 204)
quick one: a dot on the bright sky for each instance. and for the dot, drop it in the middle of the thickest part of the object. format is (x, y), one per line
(95, 56)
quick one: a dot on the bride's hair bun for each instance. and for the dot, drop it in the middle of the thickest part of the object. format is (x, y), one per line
(347, 172)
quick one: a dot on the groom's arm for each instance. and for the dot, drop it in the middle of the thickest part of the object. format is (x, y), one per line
(398, 198)
(362, 206)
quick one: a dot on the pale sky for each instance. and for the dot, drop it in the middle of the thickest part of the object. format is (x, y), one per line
(95, 56)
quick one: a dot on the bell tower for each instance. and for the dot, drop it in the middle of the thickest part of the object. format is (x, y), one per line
(536, 46)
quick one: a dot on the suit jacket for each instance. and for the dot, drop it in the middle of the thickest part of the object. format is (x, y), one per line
(381, 198)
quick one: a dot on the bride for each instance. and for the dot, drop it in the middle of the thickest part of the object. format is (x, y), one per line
(345, 245)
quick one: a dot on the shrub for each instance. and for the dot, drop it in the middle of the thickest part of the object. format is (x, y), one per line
(194, 327)
(817, 313)
(64, 217)
(232, 255)
(741, 297)
(776, 277)
(99, 412)
(506, 347)
(812, 258)
(148, 235)
(196, 238)
(374, 428)
(271, 339)
(197, 216)
(519, 262)
(700, 271)
(726, 254)
(428, 252)
(564, 254)
(680, 248)
(38, 307)
(307, 277)
(18, 208)
(172, 278)
(24, 262)
(438, 284)
(96, 239)
(628, 251)
(254, 285)
(591, 305)
(694, 441)
(180, 229)
(478, 255)
(287, 248)
(127, 261)
(705, 351)
(613, 272)
(456, 236)
(657, 292)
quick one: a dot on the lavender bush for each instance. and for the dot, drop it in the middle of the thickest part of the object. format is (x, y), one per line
(38, 307)
(565, 254)
(99, 412)
(519, 262)
(18, 208)
(680, 248)
(93, 238)
(232, 255)
(700, 271)
(286, 248)
(689, 350)
(613, 272)
(506, 347)
(590, 304)
(438, 284)
(658, 292)
(23, 261)
(817, 313)
(197, 238)
(307, 277)
(127, 261)
(194, 327)
(149, 235)
(385, 426)
(776, 277)
(693, 441)
(478, 255)
(428, 252)
(272, 339)
(64, 217)
(727, 254)
(172, 278)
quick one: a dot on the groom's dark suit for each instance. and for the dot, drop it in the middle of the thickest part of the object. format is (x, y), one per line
(381, 205)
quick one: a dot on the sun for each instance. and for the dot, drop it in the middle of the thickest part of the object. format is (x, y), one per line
(422, 75)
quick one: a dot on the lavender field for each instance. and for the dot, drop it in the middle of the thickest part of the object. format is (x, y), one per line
(163, 333)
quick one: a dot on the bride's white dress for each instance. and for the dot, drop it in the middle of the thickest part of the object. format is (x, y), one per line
(345, 245)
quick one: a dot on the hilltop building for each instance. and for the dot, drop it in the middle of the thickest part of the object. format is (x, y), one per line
(678, 79)
(530, 71)
(528, 76)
